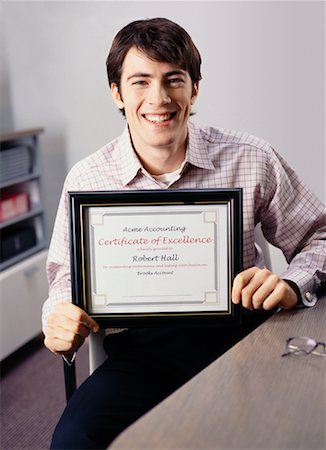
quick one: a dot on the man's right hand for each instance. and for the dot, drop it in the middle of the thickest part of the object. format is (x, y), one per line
(68, 326)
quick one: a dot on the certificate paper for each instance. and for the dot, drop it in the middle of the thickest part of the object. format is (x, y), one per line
(159, 259)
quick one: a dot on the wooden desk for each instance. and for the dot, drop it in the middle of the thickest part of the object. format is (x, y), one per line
(249, 398)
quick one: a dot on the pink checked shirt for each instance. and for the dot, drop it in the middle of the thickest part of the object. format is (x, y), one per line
(292, 218)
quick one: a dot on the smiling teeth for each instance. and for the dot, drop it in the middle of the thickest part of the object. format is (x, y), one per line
(157, 118)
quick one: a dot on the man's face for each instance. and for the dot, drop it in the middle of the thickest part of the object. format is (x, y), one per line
(157, 99)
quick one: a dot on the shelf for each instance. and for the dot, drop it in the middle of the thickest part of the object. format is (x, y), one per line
(31, 213)
(19, 180)
(13, 135)
(23, 255)
(23, 234)
(23, 281)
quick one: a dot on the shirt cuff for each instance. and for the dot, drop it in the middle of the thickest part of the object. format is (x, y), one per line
(307, 299)
(69, 359)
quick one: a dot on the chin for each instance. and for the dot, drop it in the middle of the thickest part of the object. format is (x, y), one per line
(161, 142)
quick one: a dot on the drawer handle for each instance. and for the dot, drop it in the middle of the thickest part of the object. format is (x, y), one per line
(31, 271)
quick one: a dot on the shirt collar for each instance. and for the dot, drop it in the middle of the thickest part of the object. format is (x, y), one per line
(196, 153)
(130, 164)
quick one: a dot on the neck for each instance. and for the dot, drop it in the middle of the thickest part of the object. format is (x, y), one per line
(160, 160)
(161, 163)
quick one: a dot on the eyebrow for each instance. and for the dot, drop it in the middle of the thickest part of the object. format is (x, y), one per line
(166, 75)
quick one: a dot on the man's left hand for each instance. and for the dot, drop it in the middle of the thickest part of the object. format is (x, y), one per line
(260, 288)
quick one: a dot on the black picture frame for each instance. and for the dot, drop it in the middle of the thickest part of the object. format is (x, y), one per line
(221, 210)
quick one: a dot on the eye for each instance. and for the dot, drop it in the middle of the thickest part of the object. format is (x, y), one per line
(139, 83)
(174, 81)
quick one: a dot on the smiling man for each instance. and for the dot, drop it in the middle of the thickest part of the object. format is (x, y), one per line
(154, 74)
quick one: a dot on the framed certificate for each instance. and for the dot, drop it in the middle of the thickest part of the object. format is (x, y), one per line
(156, 257)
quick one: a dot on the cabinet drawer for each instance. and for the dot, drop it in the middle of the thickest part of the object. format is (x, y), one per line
(23, 290)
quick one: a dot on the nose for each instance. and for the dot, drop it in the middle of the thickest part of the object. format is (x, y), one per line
(158, 95)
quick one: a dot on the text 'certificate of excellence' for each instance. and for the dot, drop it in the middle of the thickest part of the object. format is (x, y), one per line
(171, 257)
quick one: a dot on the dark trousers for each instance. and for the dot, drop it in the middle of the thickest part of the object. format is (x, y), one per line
(143, 367)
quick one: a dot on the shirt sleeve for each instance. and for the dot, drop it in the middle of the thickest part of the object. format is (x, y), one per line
(294, 220)
(58, 260)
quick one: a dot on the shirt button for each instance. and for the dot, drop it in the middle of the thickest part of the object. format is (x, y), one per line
(309, 296)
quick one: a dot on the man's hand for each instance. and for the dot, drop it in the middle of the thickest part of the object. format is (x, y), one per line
(68, 326)
(259, 288)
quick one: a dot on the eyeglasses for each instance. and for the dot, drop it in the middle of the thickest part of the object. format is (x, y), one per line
(304, 346)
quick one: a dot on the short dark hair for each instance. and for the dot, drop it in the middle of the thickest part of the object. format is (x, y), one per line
(161, 40)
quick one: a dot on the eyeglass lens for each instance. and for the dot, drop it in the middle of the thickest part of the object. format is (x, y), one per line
(305, 345)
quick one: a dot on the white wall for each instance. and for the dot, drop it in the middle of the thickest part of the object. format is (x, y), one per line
(263, 72)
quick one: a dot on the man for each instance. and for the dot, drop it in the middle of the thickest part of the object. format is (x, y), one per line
(154, 75)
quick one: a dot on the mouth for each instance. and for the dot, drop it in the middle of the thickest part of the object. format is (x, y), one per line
(159, 118)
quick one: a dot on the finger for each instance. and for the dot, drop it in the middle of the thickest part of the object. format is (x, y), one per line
(283, 295)
(240, 281)
(266, 288)
(62, 346)
(61, 339)
(77, 314)
(271, 301)
(62, 334)
(57, 323)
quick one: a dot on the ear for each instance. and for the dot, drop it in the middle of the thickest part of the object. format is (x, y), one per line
(116, 96)
(195, 91)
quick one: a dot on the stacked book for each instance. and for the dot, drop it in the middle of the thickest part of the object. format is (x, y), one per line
(13, 205)
(15, 162)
